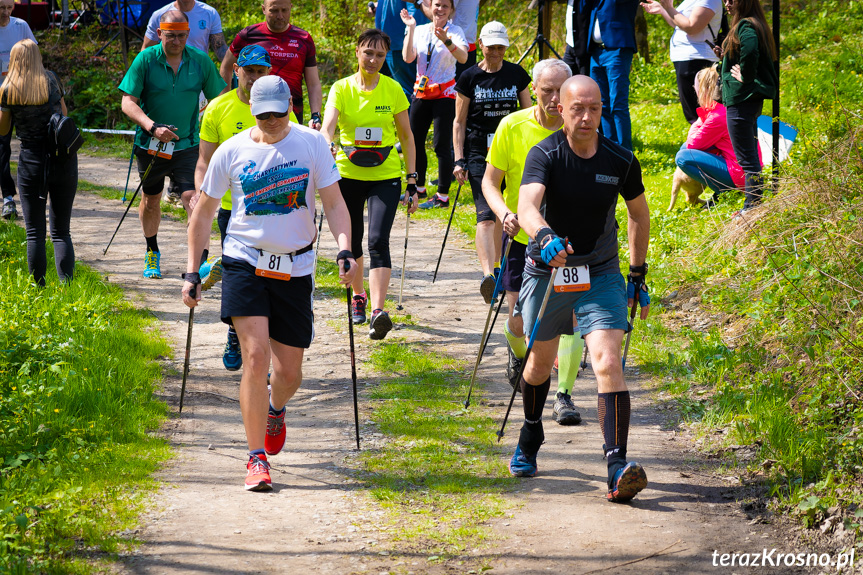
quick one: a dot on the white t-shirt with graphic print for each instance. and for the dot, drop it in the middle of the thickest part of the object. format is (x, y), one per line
(273, 191)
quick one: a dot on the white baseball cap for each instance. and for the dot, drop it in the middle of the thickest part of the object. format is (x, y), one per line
(270, 94)
(494, 34)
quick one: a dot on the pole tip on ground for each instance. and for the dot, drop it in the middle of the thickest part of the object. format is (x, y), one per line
(467, 404)
(400, 308)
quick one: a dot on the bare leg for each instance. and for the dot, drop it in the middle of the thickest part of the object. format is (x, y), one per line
(516, 325)
(485, 246)
(379, 281)
(604, 346)
(254, 334)
(150, 213)
(287, 372)
(357, 283)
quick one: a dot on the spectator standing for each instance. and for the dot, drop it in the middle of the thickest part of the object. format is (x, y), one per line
(696, 25)
(29, 97)
(611, 45)
(748, 78)
(160, 94)
(465, 16)
(12, 31)
(577, 31)
(388, 19)
(486, 93)
(292, 54)
(437, 46)
(205, 27)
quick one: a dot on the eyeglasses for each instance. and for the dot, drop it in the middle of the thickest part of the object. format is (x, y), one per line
(171, 37)
(266, 115)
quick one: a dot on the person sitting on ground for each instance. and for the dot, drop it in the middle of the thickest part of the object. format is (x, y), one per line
(436, 46)
(707, 156)
(164, 103)
(513, 139)
(227, 116)
(486, 94)
(292, 53)
(29, 97)
(587, 280)
(272, 171)
(370, 110)
(12, 31)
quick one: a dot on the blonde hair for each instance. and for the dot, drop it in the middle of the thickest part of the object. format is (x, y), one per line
(707, 80)
(26, 83)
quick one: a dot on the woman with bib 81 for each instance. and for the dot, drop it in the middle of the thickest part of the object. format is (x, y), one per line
(370, 109)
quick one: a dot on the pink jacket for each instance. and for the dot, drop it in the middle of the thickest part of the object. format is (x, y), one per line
(711, 131)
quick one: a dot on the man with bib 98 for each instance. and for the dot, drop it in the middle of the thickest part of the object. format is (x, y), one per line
(272, 171)
(566, 205)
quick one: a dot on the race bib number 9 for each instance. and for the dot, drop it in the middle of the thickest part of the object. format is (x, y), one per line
(161, 149)
(576, 278)
(276, 266)
(368, 136)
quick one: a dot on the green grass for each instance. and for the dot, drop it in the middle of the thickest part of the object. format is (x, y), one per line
(109, 146)
(440, 472)
(77, 382)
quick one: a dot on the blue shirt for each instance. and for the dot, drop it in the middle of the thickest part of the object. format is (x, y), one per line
(388, 19)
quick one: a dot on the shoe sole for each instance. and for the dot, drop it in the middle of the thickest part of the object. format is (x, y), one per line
(573, 419)
(516, 473)
(631, 482)
(212, 279)
(380, 328)
(486, 289)
(358, 321)
(153, 276)
(260, 486)
(232, 368)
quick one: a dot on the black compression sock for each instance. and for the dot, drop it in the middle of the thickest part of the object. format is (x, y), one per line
(531, 437)
(613, 413)
(533, 399)
(152, 243)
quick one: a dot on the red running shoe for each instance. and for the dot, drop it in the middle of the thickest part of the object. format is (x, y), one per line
(258, 474)
(276, 433)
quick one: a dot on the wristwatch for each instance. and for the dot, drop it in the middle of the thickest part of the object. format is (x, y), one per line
(461, 163)
(642, 269)
(413, 175)
(448, 42)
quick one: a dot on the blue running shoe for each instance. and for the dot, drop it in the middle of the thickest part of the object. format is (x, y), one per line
(151, 265)
(232, 358)
(521, 464)
(210, 272)
(627, 482)
(436, 202)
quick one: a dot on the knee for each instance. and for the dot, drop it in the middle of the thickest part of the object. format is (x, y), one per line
(606, 365)
(256, 359)
(683, 158)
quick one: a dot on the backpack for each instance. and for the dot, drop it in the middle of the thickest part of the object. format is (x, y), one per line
(65, 137)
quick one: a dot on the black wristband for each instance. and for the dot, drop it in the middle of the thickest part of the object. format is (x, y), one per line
(193, 278)
(411, 189)
(316, 117)
(543, 233)
(461, 163)
(344, 255)
(413, 175)
(642, 269)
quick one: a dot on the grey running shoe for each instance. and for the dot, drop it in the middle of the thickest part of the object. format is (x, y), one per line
(10, 212)
(174, 196)
(380, 325)
(564, 410)
(486, 288)
(513, 367)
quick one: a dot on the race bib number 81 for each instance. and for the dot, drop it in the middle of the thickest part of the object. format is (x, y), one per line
(576, 278)
(276, 266)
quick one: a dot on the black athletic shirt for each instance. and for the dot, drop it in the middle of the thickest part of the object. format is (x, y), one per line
(580, 199)
(31, 122)
(493, 96)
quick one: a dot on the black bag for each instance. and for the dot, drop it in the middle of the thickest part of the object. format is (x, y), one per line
(367, 157)
(65, 137)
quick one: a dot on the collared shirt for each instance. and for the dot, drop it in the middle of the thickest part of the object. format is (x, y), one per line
(169, 97)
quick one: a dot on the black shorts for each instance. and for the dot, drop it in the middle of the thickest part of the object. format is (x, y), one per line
(514, 266)
(287, 304)
(476, 171)
(180, 167)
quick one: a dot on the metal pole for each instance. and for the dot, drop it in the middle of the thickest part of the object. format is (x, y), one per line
(776, 99)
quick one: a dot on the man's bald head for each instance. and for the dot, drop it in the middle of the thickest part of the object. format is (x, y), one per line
(581, 109)
(579, 86)
(174, 16)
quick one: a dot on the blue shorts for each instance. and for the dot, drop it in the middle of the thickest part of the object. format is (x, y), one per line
(603, 306)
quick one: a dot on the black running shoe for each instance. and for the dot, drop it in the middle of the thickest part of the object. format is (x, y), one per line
(380, 325)
(564, 410)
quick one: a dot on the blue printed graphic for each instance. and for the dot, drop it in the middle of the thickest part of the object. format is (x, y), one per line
(202, 24)
(275, 191)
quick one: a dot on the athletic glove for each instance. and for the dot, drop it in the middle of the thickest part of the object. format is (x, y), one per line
(550, 244)
(636, 284)
(411, 190)
(344, 255)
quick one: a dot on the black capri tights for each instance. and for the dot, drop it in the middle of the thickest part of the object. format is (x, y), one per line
(441, 112)
(383, 198)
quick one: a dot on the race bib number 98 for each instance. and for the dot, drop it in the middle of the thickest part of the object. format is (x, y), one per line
(276, 266)
(576, 278)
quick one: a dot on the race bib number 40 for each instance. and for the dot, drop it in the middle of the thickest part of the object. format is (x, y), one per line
(276, 266)
(368, 136)
(161, 149)
(576, 278)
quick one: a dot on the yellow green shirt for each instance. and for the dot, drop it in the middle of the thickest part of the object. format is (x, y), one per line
(224, 117)
(516, 134)
(360, 110)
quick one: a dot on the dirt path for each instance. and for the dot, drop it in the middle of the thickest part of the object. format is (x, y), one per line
(318, 519)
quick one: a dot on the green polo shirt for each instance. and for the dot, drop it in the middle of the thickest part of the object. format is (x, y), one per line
(169, 98)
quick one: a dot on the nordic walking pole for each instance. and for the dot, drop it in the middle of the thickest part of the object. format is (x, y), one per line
(483, 342)
(318, 244)
(353, 358)
(132, 201)
(404, 259)
(443, 245)
(189, 341)
(129, 173)
(631, 327)
(529, 347)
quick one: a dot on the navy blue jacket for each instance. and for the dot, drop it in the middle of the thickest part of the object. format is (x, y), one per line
(616, 23)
